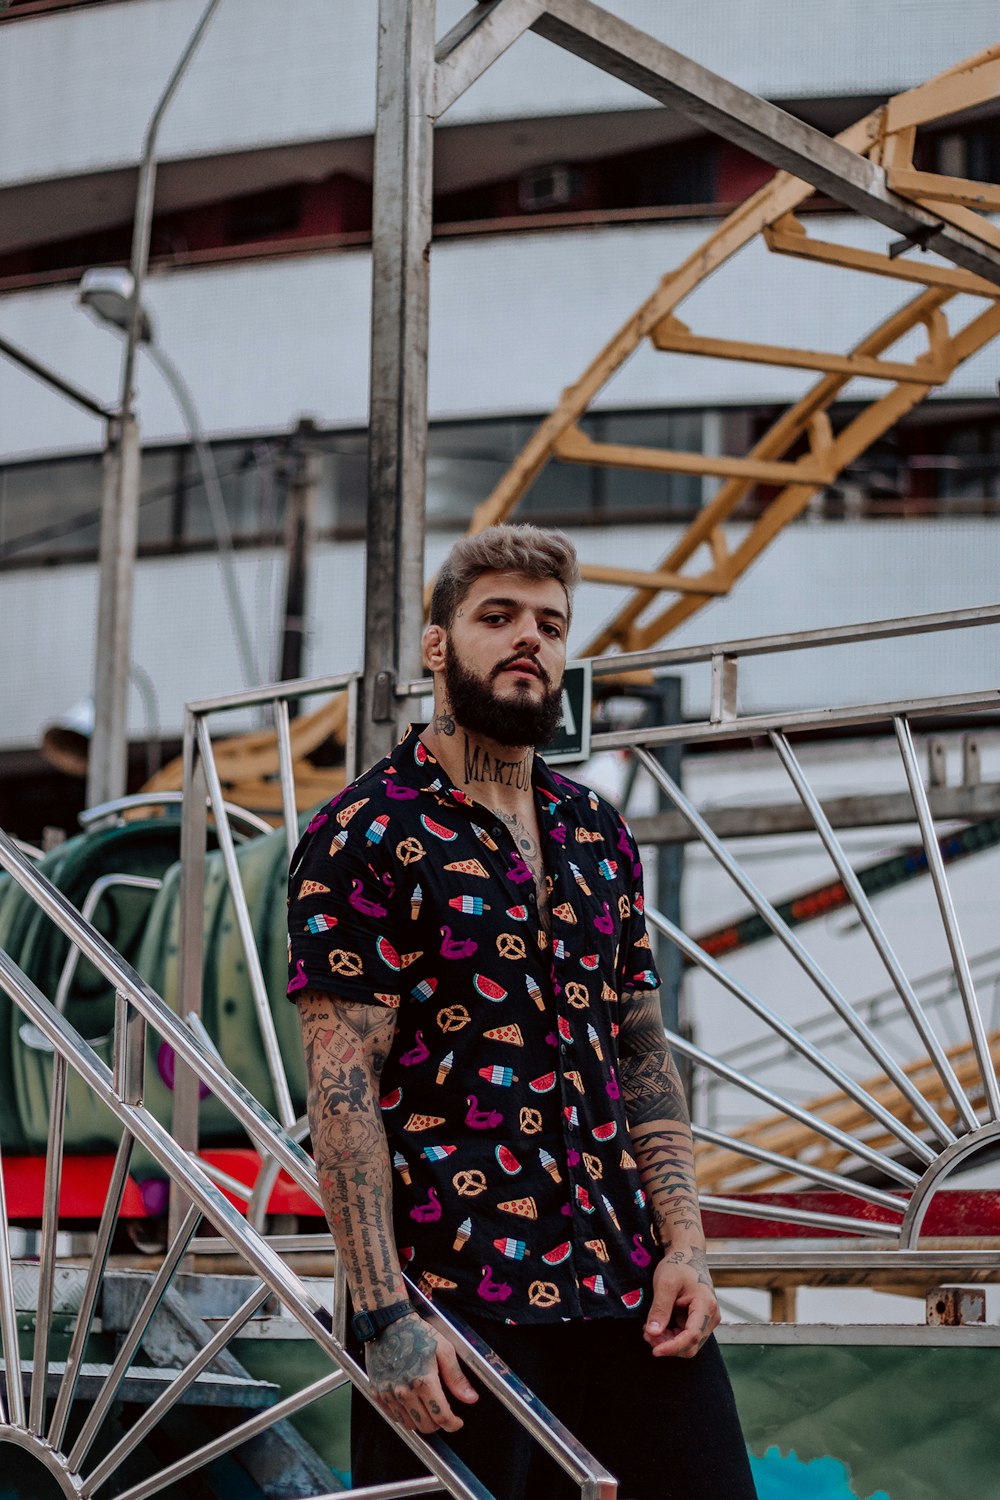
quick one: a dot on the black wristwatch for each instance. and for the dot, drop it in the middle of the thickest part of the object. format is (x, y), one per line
(368, 1325)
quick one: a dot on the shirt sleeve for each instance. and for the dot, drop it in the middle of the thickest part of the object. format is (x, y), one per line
(340, 911)
(636, 969)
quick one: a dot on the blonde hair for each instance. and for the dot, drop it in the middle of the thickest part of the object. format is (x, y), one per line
(503, 549)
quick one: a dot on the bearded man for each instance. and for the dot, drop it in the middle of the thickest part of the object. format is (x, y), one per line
(492, 1103)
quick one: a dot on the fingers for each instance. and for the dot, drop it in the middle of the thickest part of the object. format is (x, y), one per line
(419, 1407)
(700, 1317)
(453, 1375)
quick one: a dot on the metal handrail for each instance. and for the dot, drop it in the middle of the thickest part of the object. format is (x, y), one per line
(118, 1090)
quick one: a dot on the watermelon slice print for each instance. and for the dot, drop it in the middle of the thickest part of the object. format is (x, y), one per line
(543, 1085)
(438, 829)
(558, 1255)
(488, 988)
(388, 954)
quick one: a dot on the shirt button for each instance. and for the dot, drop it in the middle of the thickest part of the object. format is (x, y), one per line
(563, 1048)
(532, 899)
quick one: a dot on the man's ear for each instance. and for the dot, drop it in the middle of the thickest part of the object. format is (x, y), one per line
(435, 640)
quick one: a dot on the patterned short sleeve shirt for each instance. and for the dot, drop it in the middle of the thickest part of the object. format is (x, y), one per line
(515, 1194)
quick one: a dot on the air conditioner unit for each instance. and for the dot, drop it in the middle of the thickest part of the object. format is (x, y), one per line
(548, 187)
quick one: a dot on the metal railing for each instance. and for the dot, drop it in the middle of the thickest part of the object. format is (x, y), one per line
(119, 1088)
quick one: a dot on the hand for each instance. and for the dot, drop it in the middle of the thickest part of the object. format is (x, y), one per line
(684, 1310)
(409, 1364)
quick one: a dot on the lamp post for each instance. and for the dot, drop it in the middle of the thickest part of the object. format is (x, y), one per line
(107, 770)
(107, 293)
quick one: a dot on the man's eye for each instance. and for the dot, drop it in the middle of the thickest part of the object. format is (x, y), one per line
(553, 631)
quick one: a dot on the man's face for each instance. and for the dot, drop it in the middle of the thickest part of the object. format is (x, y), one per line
(505, 658)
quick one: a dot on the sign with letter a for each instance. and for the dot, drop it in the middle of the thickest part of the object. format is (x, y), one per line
(571, 741)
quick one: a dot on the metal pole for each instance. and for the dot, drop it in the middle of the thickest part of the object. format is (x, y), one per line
(397, 452)
(669, 858)
(300, 527)
(107, 769)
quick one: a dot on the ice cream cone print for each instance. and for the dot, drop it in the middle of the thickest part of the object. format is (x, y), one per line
(399, 1162)
(534, 990)
(578, 877)
(549, 1163)
(610, 1211)
(416, 900)
(462, 1234)
(483, 836)
(444, 1066)
(595, 1042)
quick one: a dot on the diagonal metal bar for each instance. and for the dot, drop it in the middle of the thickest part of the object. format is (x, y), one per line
(14, 1412)
(95, 1275)
(261, 1000)
(650, 66)
(282, 729)
(884, 949)
(796, 1168)
(112, 1461)
(245, 1241)
(814, 1218)
(793, 1037)
(935, 864)
(134, 1337)
(49, 1232)
(262, 1128)
(235, 1436)
(785, 1106)
(475, 43)
(784, 934)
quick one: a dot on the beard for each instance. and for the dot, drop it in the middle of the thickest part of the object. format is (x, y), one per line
(520, 719)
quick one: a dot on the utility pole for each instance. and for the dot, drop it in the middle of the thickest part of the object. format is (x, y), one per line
(397, 428)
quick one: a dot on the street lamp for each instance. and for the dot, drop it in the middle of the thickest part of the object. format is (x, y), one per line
(106, 772)
(107, 293)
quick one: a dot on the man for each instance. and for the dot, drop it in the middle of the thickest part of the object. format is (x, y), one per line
(492, 1104)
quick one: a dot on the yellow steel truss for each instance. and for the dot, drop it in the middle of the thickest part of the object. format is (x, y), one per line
(675, 589)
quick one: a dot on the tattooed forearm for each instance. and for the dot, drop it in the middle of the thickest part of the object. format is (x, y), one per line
(346, 1045)
(660, 1130)
(651, 1087)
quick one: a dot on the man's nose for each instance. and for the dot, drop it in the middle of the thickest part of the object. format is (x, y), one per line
(528, 635)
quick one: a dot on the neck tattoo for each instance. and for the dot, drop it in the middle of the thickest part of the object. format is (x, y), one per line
(444, 723)
(481, 766)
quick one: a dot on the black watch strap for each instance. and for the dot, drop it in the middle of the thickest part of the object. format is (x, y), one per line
(368, 1325)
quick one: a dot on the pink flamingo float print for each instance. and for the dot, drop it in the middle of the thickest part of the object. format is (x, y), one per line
(490, 1290)
(481, 1119)
(640, 1254)
(300, 981)
(456, 948)
(429, 1212)
(418, 1054)
(362, 904)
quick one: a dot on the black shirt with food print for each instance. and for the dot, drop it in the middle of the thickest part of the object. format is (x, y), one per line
(515, 1194)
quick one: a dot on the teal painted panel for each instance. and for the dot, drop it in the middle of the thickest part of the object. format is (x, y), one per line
(913, 1422)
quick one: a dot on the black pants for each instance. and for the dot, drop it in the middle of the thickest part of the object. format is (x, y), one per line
(666, 1428)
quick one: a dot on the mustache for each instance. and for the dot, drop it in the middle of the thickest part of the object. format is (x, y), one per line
(509, 661)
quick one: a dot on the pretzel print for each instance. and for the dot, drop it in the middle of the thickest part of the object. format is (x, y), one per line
(510, 945)
(409, 851)
(543, 1294)
(530, 1120)
(342, 961)
(623, 908)
(577, 995)
(453, 1018)
(469, 1184)
(593, 1166)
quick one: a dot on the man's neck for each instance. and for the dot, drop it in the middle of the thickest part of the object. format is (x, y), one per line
(499, 776)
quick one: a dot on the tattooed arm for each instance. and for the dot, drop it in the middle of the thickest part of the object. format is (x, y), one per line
(346, 1045)
(684, 1309)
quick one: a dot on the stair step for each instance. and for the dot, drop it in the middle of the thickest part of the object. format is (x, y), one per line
(143, 1383)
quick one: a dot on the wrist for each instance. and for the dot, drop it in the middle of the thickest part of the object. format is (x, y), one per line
(368, 1323)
